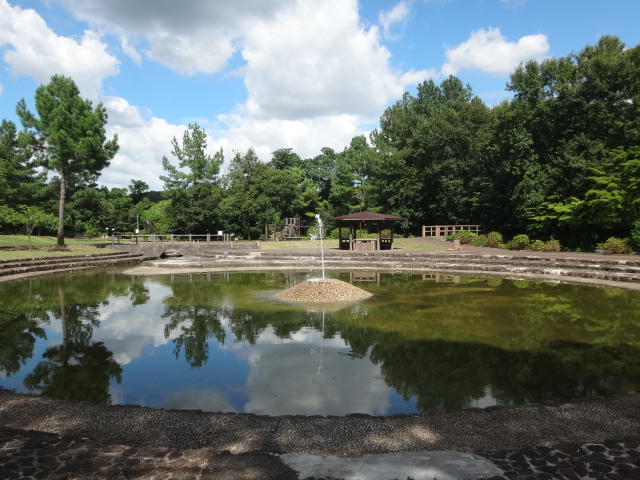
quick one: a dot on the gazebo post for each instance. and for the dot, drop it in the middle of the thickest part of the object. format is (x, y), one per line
(350, 236)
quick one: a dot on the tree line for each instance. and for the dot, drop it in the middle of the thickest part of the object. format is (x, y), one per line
(560, 159)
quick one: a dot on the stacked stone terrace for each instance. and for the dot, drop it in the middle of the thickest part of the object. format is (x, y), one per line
(550, 266)
(10, 269)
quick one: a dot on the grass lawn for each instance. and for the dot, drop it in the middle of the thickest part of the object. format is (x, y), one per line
(46, 247)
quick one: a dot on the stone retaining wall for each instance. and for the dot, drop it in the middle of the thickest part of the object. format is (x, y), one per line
(195, 248)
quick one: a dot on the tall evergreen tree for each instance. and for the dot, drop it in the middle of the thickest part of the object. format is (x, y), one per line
(193, 186)
(67, 136)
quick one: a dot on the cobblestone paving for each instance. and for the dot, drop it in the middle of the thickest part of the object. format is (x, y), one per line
(29, 454)
(612, 459)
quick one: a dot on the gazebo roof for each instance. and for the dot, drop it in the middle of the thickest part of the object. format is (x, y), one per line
(366, 216)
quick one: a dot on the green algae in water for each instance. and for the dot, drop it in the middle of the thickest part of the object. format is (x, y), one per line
(222, 342)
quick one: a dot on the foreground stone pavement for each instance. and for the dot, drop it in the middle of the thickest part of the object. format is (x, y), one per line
(31, 454)
(46, 438)
(612, 459)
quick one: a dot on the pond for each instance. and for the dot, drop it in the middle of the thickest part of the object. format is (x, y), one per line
(222, 342)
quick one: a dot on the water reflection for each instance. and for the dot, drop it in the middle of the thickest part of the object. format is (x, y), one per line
(311, 376)
(212, 342)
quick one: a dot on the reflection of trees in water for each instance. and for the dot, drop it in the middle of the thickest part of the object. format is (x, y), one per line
(453, 374)
(501, 313)
(197, 325)
(74, 299)
(551, 342)
(195, 309)
(443, 343)
(78, 369)
(201, 304)
(18, 337)
(22, 312)
(75, 371)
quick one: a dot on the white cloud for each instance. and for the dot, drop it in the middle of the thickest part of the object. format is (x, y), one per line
(188, 37)
(489, 51)
(314, 76)
(316, 59)
(143, 142)
(306, 136)
(398, 15)
(35, 50)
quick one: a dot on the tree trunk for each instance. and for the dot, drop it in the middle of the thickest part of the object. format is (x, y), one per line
(63, 189)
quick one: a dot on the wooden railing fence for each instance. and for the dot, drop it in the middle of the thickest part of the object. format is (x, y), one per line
(446, 230)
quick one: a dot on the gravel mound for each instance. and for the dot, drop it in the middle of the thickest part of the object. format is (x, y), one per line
(323, 291)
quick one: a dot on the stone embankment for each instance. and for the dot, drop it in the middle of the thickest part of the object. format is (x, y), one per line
(25, 267)
(550, 267)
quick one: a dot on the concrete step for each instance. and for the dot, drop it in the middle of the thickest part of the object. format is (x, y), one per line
(73, 262)
(605, 269)
(38, 260)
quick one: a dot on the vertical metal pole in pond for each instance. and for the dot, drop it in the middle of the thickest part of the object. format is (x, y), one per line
(320, 233)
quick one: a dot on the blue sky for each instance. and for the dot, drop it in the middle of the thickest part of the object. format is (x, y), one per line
(270, 74)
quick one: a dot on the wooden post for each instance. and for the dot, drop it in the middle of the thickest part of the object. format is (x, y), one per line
(350, 236)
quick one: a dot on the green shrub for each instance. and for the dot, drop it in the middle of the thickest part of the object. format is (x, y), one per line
(520, 242)
(494, 240)
(552, 246)
(479, 240)
(510, 245)
(466, 237)
(386, 233)
(537, 246)
(333, 234)
(615, 246)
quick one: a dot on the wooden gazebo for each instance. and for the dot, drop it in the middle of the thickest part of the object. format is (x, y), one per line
(356, 220)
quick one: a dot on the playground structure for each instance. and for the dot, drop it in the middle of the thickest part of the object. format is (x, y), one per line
(291, 230)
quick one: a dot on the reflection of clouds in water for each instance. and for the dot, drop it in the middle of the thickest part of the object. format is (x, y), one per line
(210, 400)
(487, 400)
(117, 395)
(310, 377)
(126, 330)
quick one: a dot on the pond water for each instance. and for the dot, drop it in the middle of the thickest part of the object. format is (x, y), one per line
(221, 342)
